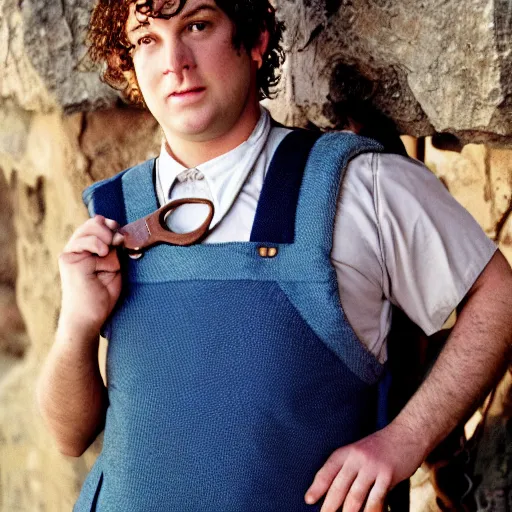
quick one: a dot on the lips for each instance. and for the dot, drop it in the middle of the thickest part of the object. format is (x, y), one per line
(187, 97)
(190, 90)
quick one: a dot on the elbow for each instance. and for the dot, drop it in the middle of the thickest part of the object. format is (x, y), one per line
(70, 447)
(71, 450)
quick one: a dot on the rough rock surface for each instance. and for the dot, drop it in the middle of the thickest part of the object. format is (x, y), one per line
(428, 65)
(425, 64)
(65, 154)
(7, 237)
(480, 178)
(13, 338)
(42, 54)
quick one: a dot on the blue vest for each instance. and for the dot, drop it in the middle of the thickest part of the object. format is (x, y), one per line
(231, 376)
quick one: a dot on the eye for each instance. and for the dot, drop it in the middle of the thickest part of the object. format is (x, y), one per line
(198, 26)
(144, 41)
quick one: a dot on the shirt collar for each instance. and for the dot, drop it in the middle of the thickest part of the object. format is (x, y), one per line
(224, 174)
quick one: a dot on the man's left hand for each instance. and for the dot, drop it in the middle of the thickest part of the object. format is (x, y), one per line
(361, 474)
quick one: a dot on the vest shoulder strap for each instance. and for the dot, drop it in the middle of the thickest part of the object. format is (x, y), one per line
(106, 197)
(274, 220)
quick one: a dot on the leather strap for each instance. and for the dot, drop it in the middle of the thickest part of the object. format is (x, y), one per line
(152, 229)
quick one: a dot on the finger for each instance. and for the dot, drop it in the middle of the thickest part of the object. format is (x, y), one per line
(324, 477)
(339, 489)
(118, 239)
(359, 491)
(90, 243)
(96, 226)
(111, 224)
(377, 496)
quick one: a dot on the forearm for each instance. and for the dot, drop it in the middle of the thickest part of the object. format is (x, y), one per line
(473, 359)
(71, 394)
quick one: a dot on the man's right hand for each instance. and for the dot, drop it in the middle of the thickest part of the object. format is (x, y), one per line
(71, 394)
(90, 275)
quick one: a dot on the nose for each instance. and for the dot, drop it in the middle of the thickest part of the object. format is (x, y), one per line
(178, 56)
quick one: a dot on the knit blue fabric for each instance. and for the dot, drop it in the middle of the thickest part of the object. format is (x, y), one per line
(231, 377)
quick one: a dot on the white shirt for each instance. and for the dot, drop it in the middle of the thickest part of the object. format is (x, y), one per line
(399, 237)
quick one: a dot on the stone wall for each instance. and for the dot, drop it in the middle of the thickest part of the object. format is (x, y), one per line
(431, 65)
(480, 178)
(64, 154)
(13, 338)
(437, 65)
(61, 129)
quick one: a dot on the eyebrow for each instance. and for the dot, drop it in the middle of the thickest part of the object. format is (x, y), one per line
(199, 8)
(138, 27)
(191, 14)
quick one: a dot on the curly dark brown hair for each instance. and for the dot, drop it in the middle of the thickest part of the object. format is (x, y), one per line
(108, 44)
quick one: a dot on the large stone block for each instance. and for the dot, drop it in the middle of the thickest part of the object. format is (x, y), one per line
(13, 337)
(43, 62)
(480, 178)
(20, 83)
(430, 65)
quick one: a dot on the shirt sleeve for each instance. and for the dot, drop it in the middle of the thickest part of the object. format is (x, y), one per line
(431, 247)
(357, 259)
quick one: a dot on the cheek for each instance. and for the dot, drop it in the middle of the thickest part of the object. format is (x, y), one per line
(144, 72)
(220, 54)
(230, 67)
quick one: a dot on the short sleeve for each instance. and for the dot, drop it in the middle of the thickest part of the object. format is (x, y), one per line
(400, 238)
(433, 249)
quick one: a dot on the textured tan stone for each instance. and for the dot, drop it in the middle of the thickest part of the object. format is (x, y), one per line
(7, 237)
(113, 137)
(500, 164)
(13, 337)
(20, 83)
(47, 182)
(423, 498)
(465, 176)
(480, 178)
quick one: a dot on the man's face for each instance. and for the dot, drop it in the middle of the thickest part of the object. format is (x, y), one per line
(194, 82)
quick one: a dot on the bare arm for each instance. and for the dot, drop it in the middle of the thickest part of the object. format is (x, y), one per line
(71, 394)
(472, 360)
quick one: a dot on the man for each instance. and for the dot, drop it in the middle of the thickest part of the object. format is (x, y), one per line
(234, 375)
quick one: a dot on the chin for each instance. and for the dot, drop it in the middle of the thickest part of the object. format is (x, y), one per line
(193, 133)
(198, 130)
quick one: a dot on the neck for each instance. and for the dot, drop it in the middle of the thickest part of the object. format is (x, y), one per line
(191, 153)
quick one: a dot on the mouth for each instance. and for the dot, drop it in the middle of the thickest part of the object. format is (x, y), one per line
(189, 92)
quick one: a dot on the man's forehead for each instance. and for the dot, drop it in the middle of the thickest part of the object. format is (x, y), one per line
(141, 11)
(157, 8)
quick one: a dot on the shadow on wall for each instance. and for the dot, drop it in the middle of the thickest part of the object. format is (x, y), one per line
(13, 337)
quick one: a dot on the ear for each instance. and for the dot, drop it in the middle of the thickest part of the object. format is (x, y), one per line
(259, 49)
